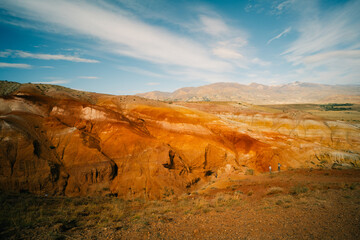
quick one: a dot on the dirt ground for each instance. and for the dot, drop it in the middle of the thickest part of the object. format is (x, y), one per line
(298, 204)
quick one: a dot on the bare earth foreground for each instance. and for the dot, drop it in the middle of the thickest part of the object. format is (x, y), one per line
(296, 204)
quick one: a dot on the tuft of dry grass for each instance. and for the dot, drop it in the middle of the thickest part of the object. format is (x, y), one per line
(274, 190)
(298, 189)
(249, 171)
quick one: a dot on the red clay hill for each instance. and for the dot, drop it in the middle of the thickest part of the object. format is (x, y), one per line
(59, 141)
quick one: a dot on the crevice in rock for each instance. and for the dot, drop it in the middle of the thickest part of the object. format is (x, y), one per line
(170, 165)
(192, 182)
(37, 149)
(206, 156)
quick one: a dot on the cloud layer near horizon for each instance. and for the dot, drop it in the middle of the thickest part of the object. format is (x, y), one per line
(42, 56)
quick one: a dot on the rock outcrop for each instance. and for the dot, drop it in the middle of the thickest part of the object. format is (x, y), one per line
(60, 141)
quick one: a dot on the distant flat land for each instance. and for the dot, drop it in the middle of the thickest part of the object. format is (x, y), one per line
(349, 113)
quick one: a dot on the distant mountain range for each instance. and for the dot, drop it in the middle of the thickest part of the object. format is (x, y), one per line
(297, 92)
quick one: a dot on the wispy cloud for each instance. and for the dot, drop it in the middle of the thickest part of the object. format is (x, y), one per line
(338, 54)
(208, 47)
(287, 30)
(127, 35)
(282, 6)
(52, 82)
(49, 67)
(260, 62)
(152, 83)
(42, 56)
(327, 49)
(321, 33)
(15, 65)
(140, 71)
(189, 75)
(88, 77)
(227, 53)
(213, 26)
(277, 7)
(5, 54)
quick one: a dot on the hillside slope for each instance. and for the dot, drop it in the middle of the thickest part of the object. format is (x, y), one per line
(61, 141)
(262, 94)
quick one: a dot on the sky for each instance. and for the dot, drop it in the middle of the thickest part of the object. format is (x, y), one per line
(133, 46)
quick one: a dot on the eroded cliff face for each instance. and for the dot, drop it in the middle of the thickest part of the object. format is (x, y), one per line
(59, 141)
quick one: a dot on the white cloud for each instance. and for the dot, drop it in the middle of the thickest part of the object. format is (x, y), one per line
(279, 35)
(15, 65)
(282, 6)
(321, 33)
(326, 50)
(227, 53)
(236, 42)
(88, 77)
(213, 26)
(125, 34)
(338, 54)
(152, 83)
(260, 62)
(5, 54)
(50, 67)
(206, 48)
(252, 75)
(52, 82)
(140, 71)
(22, 54)
(189, 75)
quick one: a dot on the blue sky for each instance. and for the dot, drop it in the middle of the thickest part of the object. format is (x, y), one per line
(132, 46)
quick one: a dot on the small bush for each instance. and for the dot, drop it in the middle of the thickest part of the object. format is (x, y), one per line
(274, 190)
(298, 190)
(249, 171)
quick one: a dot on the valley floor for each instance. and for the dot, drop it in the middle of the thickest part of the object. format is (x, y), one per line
(297, 204)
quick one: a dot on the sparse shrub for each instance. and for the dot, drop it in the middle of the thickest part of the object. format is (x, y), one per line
(274, 190)
(168, 192)
(298, 189)
(250, 193)
(238, 192)
(249, 171)
(206, 210)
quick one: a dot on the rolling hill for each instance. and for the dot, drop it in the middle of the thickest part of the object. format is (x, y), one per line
(254, 93)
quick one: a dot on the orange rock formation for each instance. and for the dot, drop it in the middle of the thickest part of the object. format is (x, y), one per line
(60, 141)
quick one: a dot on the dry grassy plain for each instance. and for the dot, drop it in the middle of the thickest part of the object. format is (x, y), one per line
(352, 115)
(297, 204)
